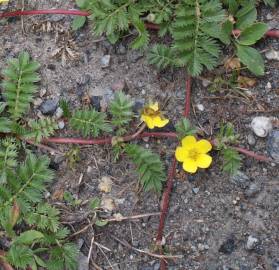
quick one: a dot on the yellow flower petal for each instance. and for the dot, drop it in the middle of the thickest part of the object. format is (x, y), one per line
(154, 106)
(203, 146)
(148, 121)
(189, 165)
(159, 122)
(4, 1)
(188, 141)
(181, 154)
(204, 161)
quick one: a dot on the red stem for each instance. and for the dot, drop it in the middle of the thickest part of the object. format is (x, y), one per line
(45, 11)
(151, 26)
(109, 139)
(252, 154)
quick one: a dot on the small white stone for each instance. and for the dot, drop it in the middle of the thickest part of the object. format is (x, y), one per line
(261, 126)
(272, 55)
(268, 85)
(61, 124)
(251, 242)
(105, 61)
(200, 107)
(42, 92)
(37, 102)
(58, 113)
(269, 16)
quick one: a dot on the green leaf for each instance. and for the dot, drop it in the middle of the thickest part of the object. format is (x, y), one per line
(246, 16)
(113, 37)
(184, 128)
(232, 161)
(251, 58)
(64, 104)
(5, 125)
(101, 223)
(90, 122)
(226, 31)
(149, 167)
(29, 237)
(94, 203)
(252, 33)
(78, 22)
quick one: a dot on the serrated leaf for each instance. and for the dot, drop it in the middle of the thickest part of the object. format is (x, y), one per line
(29, 237)
(232, 161)
(78, 22)
(253, 33)
(251, 58)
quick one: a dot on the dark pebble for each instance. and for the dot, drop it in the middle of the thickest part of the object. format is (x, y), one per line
(240, 179)
(138, 105)
(51, 67)
(253, 189)
(96, 102)
(273, 145)
(49, 106)
(275, 264)
(228, 246)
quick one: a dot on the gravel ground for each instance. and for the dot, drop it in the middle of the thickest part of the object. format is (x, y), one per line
(215, 221)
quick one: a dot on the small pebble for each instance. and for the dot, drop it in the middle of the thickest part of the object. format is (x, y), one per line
(96, 102)
(49, 106)
(240, 179)
(272, 55)
(228, 246)
(251, 242)
(61, 124)
(273, 145)
(251, 139)
(195, 190)
(37, 102)
(253, 189)
(42, 92)
(261, 126)
(58, 113)
(268, 85)
(200, 107)
(105, 61)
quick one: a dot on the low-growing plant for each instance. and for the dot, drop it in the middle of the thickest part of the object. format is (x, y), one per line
(196, 27)
(31, 226)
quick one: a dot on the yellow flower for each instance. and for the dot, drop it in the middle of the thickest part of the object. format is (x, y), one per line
(193, 154)
(3, 1)
(153, 117)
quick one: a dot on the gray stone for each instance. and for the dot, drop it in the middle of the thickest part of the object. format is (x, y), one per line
(121, 49)
(253, 189)
(105, 61)
(84, 79)
(195, 190)
(156, 266)
(251, 139)
(275, 264)
(252, 242)
(273, 145)
(83, 263)
(228, 246)
(96, 102)
(135, 55)
(240, 179)
(49, 106)
(138, 105)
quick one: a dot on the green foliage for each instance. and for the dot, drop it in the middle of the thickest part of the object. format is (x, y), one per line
(162, 56)
(41, 128)
(90, 122)
(231, 158)
(19, 84)
(149, 167)
(193, 34)
(252, 33)
(183, 128)
(251, 58)
(78, 22)
(64, 105)
(45, 217)
(115, 17)
(121, 109)
(8, 155)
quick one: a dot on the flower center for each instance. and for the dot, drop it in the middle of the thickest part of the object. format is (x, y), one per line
(193, 154)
